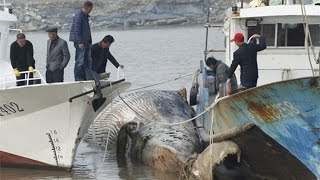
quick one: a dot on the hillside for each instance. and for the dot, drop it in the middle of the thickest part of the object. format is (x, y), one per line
(38, 15)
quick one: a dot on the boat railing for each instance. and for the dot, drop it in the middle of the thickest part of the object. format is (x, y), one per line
(7, 79)
(19, 30)
(214, 50)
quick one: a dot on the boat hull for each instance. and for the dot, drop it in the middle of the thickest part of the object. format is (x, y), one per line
(40, 128)
(264, 158)
(287, 111)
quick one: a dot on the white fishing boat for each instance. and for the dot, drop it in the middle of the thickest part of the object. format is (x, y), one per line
(41, 125)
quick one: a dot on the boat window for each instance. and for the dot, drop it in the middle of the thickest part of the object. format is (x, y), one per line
(315, 34)
(267, 30)
(290, 35)
(254, 30)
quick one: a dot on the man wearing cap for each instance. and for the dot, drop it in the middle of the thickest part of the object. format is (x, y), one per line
(80, 35)
(58, 56)
(21, 56)
(246, 57)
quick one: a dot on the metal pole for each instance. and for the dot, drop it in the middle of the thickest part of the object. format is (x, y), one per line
(207, 31)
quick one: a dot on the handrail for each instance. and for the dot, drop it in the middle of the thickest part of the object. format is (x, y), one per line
(19, 30)
(208, 25)
(5, 81)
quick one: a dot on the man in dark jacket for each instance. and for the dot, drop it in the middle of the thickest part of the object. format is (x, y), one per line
(58, 56)
(80, 34)
(100, 54)
(21, 56)
(246, 57)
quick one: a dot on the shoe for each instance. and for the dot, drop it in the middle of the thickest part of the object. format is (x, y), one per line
(78, 79)
(105, 75)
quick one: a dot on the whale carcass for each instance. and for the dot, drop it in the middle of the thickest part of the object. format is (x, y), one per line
(150, 126)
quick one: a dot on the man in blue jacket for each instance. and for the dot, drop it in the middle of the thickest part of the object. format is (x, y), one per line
(80, 34)
(246, 57)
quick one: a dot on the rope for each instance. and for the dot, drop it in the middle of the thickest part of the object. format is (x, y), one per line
(107, 142)
(162, 82)
(211, 133)
(307, 33)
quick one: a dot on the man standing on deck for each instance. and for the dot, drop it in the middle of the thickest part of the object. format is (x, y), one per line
(221, 71)
(58, 56)
(100, 54)
(246, 57)
(80, 34)
(21, 56)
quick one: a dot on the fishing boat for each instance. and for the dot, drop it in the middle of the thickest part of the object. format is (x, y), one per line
(41, 125)
(284, 139)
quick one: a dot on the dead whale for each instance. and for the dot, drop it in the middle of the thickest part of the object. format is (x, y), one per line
(150, 127)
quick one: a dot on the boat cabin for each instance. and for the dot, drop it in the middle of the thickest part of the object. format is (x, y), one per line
(290, 53)
(6, 19)
(7, 78)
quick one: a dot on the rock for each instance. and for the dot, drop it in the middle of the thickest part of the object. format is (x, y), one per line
(129, 23)
(125, 13)
(141, 23)
(38, 18)
(177, 20)
(27, 19)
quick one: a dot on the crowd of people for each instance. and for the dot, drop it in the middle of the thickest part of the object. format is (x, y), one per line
(90, 60)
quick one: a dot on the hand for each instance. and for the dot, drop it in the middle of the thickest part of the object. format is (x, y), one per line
(255, 36)
(31, 69)
(121, 66)
(81, 46)
(16, 72)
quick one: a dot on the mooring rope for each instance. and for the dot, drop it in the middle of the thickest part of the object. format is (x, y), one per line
(163, 82)
(108, 136)
(307, 34)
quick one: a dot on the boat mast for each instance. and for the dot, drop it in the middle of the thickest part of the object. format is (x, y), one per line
(207, 32)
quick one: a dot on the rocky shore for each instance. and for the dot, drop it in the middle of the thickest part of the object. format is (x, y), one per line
(38, 15)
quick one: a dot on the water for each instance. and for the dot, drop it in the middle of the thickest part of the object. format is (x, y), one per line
(149, 56)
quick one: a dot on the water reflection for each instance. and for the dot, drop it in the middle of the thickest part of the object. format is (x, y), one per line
(26, 174)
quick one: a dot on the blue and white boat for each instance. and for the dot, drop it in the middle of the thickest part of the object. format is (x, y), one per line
(284, 141)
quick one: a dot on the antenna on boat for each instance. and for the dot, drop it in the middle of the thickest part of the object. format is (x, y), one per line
(5, 7)
(207, 32)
